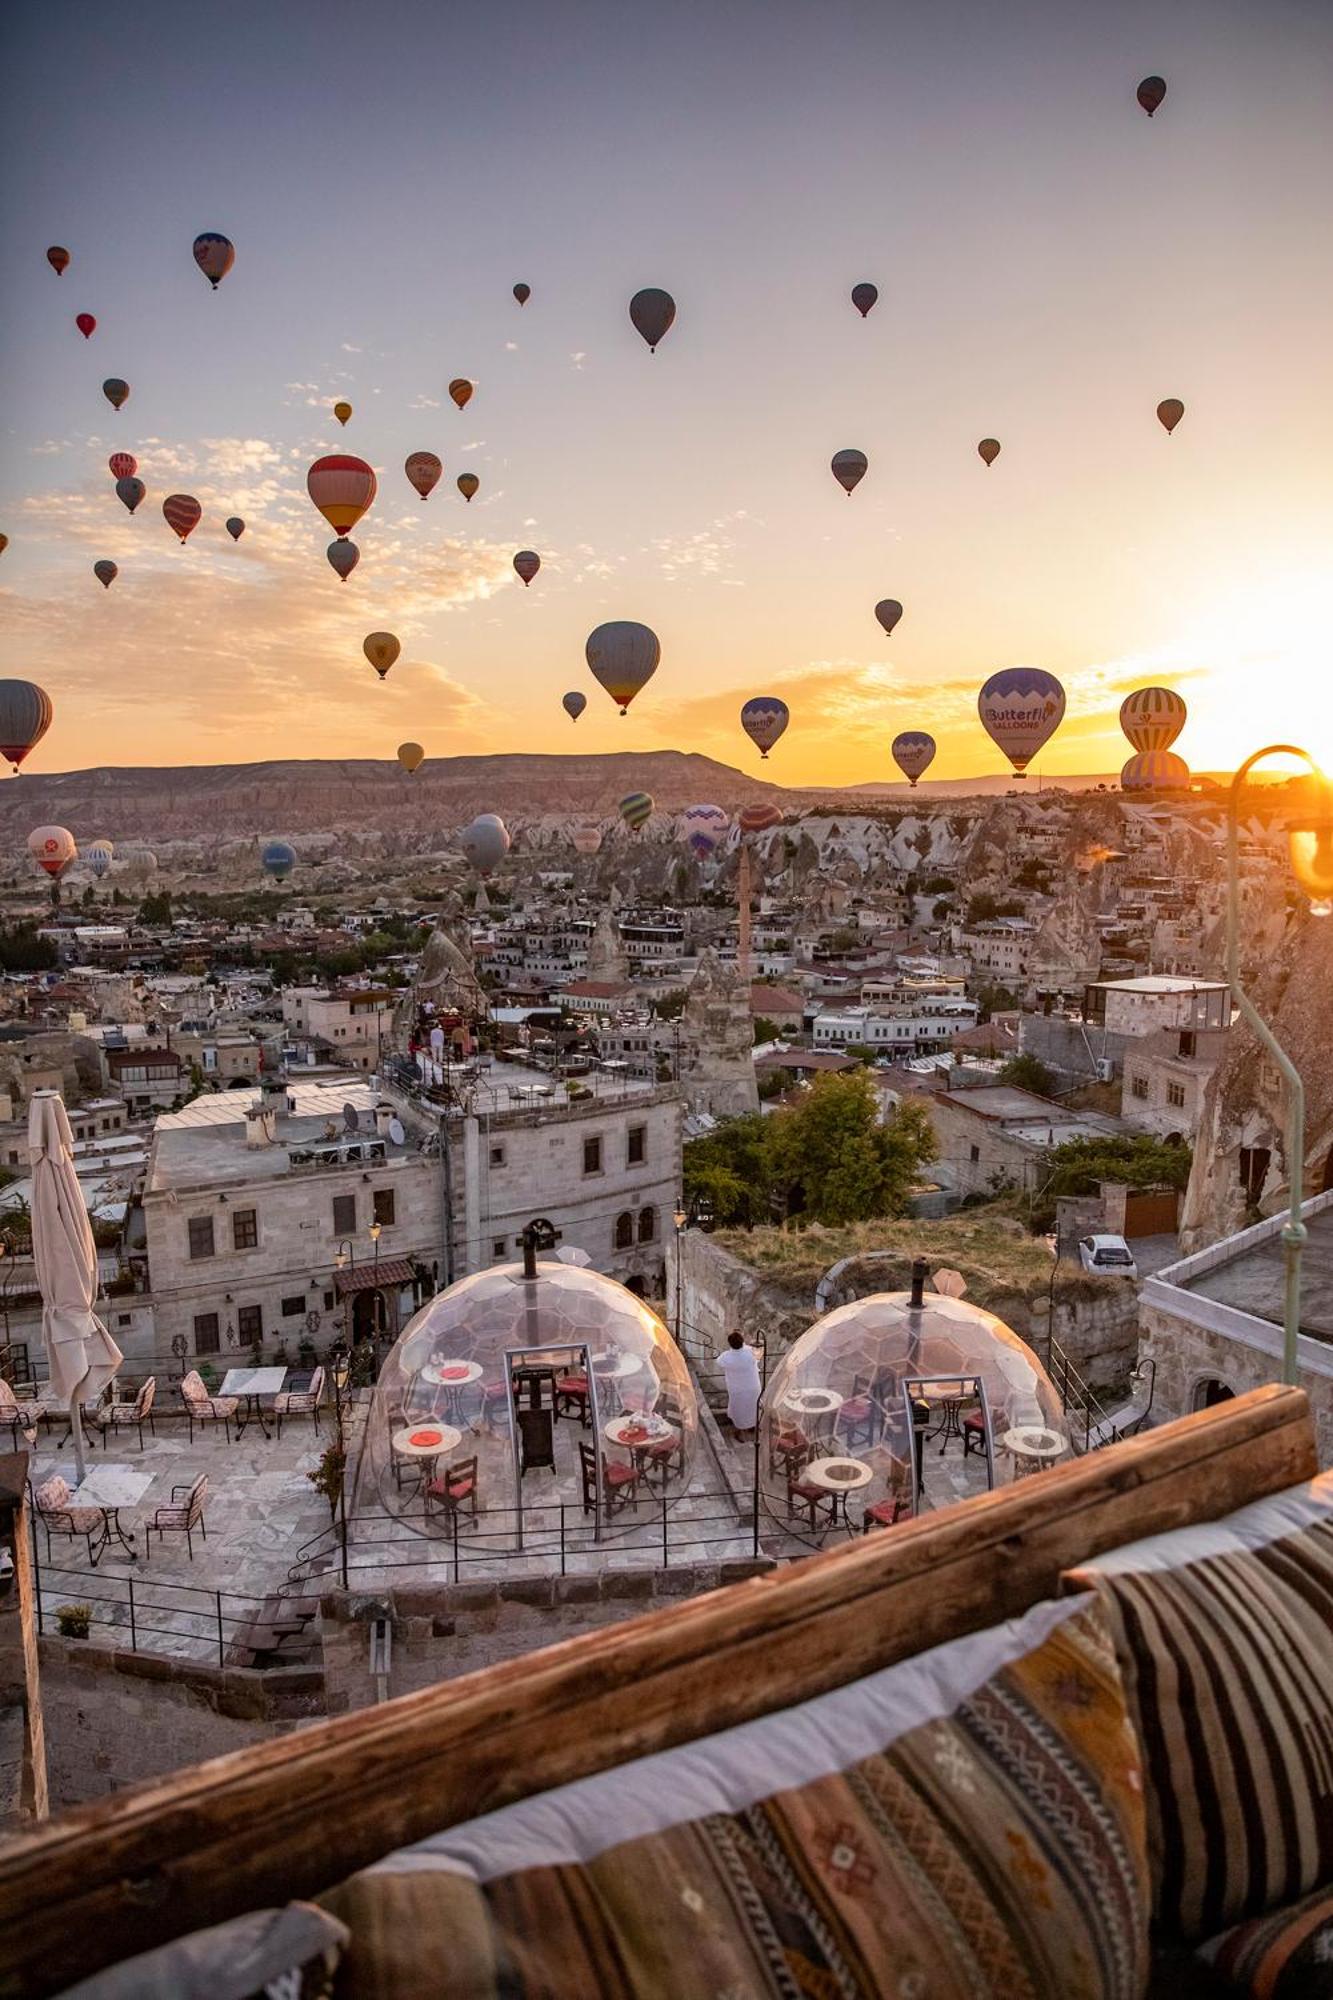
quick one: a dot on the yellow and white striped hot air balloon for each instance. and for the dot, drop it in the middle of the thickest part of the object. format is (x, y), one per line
(1153, 717)
(1155, 771)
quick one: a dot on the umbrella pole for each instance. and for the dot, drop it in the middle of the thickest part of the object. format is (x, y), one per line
(76, 1432)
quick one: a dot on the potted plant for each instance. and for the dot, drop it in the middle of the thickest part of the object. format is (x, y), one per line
(208, 1375)
(327, 1477)
(73, 1620)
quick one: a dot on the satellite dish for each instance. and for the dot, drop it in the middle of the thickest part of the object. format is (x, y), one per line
(396, 1132)
(569, 1253)
(351, 1117)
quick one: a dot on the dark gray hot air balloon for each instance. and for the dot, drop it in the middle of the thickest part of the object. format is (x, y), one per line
(1151, 92)
(888, 611)
(849, 469)
(864, 296)
(652, 313)
(105, 572)
(130, 492)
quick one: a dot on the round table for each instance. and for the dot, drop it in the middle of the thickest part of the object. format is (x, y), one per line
(452, 1377)
(425, 1441)
(1032, 1447)
(636, 1434)
(838, 1476)
(616, 1362)
(819, 1407)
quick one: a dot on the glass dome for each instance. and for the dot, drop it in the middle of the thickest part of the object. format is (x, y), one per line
(883, 1383)
(502, 1395)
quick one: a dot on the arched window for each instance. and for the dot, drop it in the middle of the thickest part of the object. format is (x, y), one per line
(624, 1231)
(647, 1224)
(1210, 1392)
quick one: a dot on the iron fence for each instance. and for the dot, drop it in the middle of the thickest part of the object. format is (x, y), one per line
(185, 1620)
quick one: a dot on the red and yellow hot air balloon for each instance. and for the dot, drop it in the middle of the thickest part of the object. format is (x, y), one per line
(25, 717)
(468, 483)
(342, 488)
(759, 817)
(423, 471)
(183, 513)
(460, 390)
(86, 324)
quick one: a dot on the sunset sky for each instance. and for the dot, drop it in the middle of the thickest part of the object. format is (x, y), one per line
(1050, 263)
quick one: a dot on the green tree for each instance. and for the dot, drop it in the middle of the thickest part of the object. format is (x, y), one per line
(21, 950)
(729, 1167)
(766, 1030)
(837, 1162)
(995, 999)
(982, 908)
(156, 909)
(1029, 1072)
(670, 1006)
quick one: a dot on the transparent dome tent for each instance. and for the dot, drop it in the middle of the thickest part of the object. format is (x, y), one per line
(512, 1389)
(898, 1402)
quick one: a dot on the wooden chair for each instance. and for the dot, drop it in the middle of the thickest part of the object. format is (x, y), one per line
(536, 1441)
(811, 1500)
(860, 1417)
(300, 1402)
(620, 1483)
(666, 1458)
(20, 1416)
(974, 1433)
(571, 1398)
(180, 1516)
(885, 1513)
(51, 1501)
(788, 1446)
(201, 1408)
(455, 1488)
(114, 1416)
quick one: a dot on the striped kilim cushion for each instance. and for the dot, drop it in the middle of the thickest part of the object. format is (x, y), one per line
(1228, 1668)
(1285, 1956)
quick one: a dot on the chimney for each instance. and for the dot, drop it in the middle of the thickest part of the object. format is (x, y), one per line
(918, 1298)
(383, 1119)
(260, 1128)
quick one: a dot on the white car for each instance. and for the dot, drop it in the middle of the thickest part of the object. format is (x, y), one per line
(1109, 1255)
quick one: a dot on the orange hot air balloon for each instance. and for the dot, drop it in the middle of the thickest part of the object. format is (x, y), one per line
(116, 392)
(1151, 92)
(122, 465)
(343, 558)
(381, 649)
(461, 391)
(989, 449)
(1169, 413)
(58, 259)
(527, 562)
(423, 471)
(183, 513)
(342, 488)
(86, 324)
(523, 293)
(411, 756)
(468, 483)
(342, 411)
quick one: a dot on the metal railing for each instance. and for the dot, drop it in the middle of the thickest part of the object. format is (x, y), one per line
(1078, 1401)
(142, 1614)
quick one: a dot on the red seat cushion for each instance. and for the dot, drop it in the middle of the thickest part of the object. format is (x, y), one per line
(617, 1474)
(571, 1385)
(886, 1511)
(805, 1492)
(973, 1421)
(461, 1490)
(856, 1407)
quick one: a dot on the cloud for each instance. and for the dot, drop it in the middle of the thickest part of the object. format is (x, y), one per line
(511, 347)
(348, 348)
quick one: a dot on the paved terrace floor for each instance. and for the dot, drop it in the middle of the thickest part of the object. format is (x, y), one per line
(1253, 1281)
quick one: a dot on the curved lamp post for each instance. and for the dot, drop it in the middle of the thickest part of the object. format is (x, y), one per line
(1310, 851)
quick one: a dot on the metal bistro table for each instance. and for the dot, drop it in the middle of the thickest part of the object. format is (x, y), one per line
(250, 1384)
(838, 1476)
(109, 1488)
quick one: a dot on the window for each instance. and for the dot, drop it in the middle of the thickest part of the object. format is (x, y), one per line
(1187, 1041)
(205, 1333)
(497, 1248)
(636, 1149)
(201, 1237)
(974, 1154)
(647, 1224)
(245, 1229)
(124, 1319)
(1138, 1087)
(1254, 1163)
(328, 1302)
(624, 1236)
(1175, 1095)
(250, 1324)
(497, 1156)
(592, 1156)
(294, 1308)
(344, 1215)
(382, 1204)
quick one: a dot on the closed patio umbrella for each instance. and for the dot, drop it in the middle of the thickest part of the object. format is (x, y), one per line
(80, 1353)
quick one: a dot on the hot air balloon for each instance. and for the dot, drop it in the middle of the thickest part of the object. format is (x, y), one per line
(1151, 92)
(25, 717)
(1152, 717)
(278, 859)
(527, 562)
(4, 543)
(1155, 771)
(702, 828)
(343, 557)
(411, 756)
(757, 818)
(116, 392)
(623, 657)
(342, 488)
(137, 864)
(849, 469)
(574, 703)
(652, 313)
(381, 649)
(485, 842)
(106, 573)
(636, 809)
(864, 296)
(888, 611)
(99, 857)
(468, 483)
(587, 838)
(86, 324)
(764, 718)
(58, 259)
(53, 848)
(342, 411)
(123, 464)
(1020, 709)
(235, 527)
(214, 255)
(460, 389)
(1169, 413)
(523, 293)
(989, 448)
(130, 492)
(423, 471)
(913, 752)
(182, 512)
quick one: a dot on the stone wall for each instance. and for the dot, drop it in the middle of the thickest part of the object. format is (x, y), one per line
(451, 1629)
(1099, 1331)
(718, 1295)
(1188, 1356)
(114, 1718)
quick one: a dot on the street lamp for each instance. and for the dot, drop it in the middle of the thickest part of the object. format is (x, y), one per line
(377, 1306)
(680, 1216)
(1310, 851)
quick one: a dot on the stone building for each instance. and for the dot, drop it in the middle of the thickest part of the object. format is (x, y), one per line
(717, 1042)
(995, 1135)
(1166, 1079)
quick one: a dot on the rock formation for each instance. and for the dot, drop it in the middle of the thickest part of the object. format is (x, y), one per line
(717, 1042)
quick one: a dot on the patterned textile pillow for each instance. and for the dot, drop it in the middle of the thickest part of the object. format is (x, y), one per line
(1228, 1670)
(53, 1493)
(996, 1849)
(289, 1954)
(1287, 1956)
